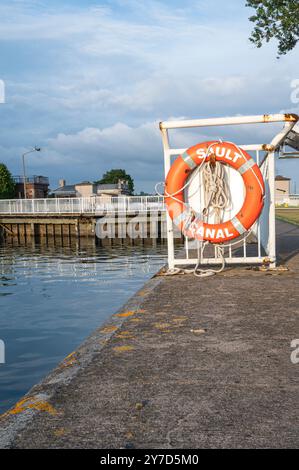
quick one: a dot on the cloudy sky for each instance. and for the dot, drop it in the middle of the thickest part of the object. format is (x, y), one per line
(89, 80)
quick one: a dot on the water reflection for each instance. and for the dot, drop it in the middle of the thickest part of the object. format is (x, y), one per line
(52, 297)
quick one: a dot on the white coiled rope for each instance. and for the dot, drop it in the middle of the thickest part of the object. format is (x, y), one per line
(216, 193)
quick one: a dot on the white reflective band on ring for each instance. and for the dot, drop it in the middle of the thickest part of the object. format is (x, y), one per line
(180, 218)
(238, 225)
(249, 164)
(187, 159)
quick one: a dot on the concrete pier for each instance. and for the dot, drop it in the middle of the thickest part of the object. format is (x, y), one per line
(187, 363)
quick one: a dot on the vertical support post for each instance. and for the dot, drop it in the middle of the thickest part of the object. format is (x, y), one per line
(258, 226)
(24, 176)
(272, 231)
(169, 224)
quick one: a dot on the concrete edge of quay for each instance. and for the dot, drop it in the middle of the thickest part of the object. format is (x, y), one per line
(39, 397)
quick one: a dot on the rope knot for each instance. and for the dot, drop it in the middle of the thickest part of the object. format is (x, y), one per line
(213, 187)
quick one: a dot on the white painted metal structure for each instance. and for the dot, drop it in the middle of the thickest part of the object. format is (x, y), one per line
(291, 141)
(264, 228)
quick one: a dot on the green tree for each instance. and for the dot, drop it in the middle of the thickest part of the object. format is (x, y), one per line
(112, 177)
(277, 19)
(7, 185)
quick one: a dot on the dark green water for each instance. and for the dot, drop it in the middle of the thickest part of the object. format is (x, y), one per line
(51, 299)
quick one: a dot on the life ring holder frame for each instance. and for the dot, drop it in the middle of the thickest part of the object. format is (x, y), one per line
(266, 227)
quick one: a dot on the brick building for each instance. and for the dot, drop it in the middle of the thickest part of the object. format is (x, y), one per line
(37, 187)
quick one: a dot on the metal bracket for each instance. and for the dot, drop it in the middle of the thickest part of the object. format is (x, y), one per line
(292, 141)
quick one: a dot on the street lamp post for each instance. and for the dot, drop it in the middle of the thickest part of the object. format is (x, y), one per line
(35, 149)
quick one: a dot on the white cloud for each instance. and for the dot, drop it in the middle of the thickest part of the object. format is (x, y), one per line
(100, 79)
(113, 143)
(31, 24)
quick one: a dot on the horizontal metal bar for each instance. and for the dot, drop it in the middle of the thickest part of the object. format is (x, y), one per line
(290, 155)
(234, 260)
(254, 147)
(248, 147)
(227, 121)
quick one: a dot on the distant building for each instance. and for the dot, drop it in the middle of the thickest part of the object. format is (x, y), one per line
(118, 189)
(282, 189)
(37, 187)
(88, 189)
(64, 190)
(85, 189)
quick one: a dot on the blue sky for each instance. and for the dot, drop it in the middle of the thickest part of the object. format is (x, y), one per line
(89, 81)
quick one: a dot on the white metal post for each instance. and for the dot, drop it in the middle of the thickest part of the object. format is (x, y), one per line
(169, 223)
(272, 227)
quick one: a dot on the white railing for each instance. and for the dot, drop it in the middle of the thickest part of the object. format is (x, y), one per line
(290, 200)
(85, 205)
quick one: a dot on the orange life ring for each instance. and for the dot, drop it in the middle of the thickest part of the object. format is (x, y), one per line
(226, 153)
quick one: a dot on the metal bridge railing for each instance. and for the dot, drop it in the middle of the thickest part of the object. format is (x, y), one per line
(289, 200)
(85, 205)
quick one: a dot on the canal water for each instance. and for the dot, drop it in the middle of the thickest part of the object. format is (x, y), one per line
(52, 298)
